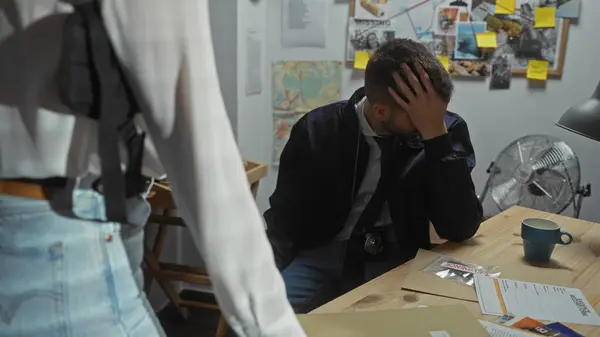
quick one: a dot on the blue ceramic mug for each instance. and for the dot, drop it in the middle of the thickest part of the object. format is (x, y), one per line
(540, 236)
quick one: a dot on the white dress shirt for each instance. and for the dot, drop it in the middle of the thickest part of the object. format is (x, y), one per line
(167, 52)
(368, 185)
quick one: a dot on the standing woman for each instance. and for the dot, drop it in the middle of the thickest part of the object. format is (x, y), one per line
(64, 270)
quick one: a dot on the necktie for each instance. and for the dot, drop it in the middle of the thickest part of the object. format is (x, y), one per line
(369, 216)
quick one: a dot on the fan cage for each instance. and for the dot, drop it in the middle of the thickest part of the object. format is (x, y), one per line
(572, 182)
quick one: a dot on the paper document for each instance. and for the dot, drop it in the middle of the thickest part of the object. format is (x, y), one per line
(442, 321)
(253, 63)
(304, 23)
(545, 302)
(496, 330)
(534, 326)
(439, 334)
(418, 280)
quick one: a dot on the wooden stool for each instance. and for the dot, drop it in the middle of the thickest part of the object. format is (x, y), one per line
(167, 273)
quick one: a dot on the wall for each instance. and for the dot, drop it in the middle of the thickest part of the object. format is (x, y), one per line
(495, 118)
(224, 28)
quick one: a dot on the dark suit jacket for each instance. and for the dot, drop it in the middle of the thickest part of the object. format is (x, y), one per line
(324, 161)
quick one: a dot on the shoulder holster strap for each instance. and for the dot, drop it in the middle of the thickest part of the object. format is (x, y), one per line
(116, 108)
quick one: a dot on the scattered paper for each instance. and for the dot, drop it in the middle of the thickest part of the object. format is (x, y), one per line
(253, 64)
(445, 60)
(438, 321)
(537, 70)
(531, 325)
(487, 40)
(361, 58)
(505, 6)
(562, 329)
(439, 334)
(304, 23)
(539, 301)
(545, 17)
(496, 330)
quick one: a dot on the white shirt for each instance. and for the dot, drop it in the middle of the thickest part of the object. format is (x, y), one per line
(167, 52)
(368, 185)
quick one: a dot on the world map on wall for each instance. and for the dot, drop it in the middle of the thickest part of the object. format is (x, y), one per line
(299, 87)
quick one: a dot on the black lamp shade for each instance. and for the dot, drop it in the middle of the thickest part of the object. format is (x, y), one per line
(584, 118)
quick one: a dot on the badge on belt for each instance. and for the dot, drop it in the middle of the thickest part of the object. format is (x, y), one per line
(373, 243)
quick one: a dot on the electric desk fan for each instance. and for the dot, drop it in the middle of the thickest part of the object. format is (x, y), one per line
(539, 172)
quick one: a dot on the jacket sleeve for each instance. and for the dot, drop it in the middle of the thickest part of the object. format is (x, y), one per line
(452, 204)
(298, 198)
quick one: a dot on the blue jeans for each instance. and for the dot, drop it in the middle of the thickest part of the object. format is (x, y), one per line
(313, 276)
(319, 275)
(65, 272)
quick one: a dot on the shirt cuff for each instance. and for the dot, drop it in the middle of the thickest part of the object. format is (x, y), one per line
(438, 148)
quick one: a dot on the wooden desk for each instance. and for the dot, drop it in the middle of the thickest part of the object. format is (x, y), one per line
(498, 238)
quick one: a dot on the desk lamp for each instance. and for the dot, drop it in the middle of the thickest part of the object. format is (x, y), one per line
(583, 119)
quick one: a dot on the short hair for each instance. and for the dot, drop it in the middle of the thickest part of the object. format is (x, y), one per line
(390, 57)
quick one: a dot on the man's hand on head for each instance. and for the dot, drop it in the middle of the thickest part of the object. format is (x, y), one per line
(424, 106)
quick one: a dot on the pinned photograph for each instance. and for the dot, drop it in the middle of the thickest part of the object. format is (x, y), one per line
(368, 36)
(446, 21)
(520, 41)
(465, 68)
(459, 3)
(466, 42)
(501, 73)
(444, 45)
(481, 9)
(463, 15)
(376, 9)
(568, 8)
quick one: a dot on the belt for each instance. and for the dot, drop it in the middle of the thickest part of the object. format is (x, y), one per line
(42, 189)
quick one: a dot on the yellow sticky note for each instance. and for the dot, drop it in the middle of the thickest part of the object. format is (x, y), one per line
(505, 6)
(486, 40)
(544, 17)
(537, 70)
(445, 60)
(361, 58)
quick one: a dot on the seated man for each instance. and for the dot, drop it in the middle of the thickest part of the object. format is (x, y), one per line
(361, 180)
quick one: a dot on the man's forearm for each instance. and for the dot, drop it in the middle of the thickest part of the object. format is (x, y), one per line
(453, 206)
